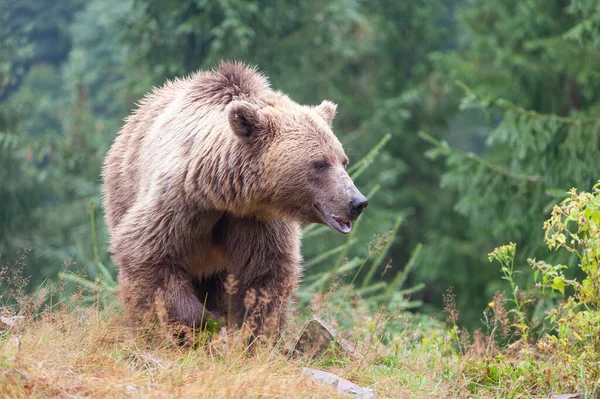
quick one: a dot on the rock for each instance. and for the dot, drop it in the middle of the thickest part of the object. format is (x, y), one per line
(16, 376)
(318, 336)
(10, 350)
(343, 386)
(347, 348)
(14, 343)
(565, 396)
(131, 390)
(145, 360)
(11, 321)
(222, 342)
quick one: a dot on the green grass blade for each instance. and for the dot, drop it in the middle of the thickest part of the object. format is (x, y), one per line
(362, 165)
(90, 285)
(321, 257)
(317, 231)
(372, 288)
(377, 262)
(401, 277)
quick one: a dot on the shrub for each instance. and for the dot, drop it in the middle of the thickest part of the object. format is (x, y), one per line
(574, 227)
(572, 336)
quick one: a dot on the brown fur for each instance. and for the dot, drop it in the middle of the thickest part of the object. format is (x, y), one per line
(214, 174)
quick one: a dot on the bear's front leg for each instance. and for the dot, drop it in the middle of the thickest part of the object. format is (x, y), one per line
(151, 247)
(265, 263)
(164, 285)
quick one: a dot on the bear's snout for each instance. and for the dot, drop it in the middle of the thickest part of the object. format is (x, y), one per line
(358, 203)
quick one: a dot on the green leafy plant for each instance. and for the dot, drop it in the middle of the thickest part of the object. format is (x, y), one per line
(103, 286)
(572, 338)
(505, 255)
(574, 227)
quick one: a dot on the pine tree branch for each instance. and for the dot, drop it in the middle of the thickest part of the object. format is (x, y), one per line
(508, 106)
(444, 147)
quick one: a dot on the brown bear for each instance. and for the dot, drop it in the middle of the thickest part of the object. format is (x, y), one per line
(214, 175)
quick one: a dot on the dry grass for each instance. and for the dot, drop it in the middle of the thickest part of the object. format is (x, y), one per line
(86, 352)
(77, 351)
(94, 353)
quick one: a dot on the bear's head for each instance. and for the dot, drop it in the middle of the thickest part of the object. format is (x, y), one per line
(303, 165)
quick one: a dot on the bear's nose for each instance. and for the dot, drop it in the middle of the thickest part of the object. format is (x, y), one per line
(357, 204)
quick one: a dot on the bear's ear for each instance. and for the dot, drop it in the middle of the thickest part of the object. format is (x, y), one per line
(245, 118)
(327, 110)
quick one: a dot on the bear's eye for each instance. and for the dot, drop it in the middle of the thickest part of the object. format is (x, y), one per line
(320, 164)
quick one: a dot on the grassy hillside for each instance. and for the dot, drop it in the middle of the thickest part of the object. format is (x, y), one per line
(94, 353)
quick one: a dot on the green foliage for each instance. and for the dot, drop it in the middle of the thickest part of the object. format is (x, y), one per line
(62, 164)
(530, 145)
(506, 187)
(526, 129)
(505, 255)
(586, 31)
(573, 334)
(32, 31)
(61, 116)
(103, 287)
(574, 227)
(516, 180)
(15, 195)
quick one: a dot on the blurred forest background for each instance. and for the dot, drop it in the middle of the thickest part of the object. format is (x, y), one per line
(491, 108)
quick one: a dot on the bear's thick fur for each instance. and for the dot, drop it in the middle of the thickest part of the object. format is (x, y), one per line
(213, 175)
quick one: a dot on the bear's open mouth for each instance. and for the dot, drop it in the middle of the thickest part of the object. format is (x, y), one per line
(335, 222)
